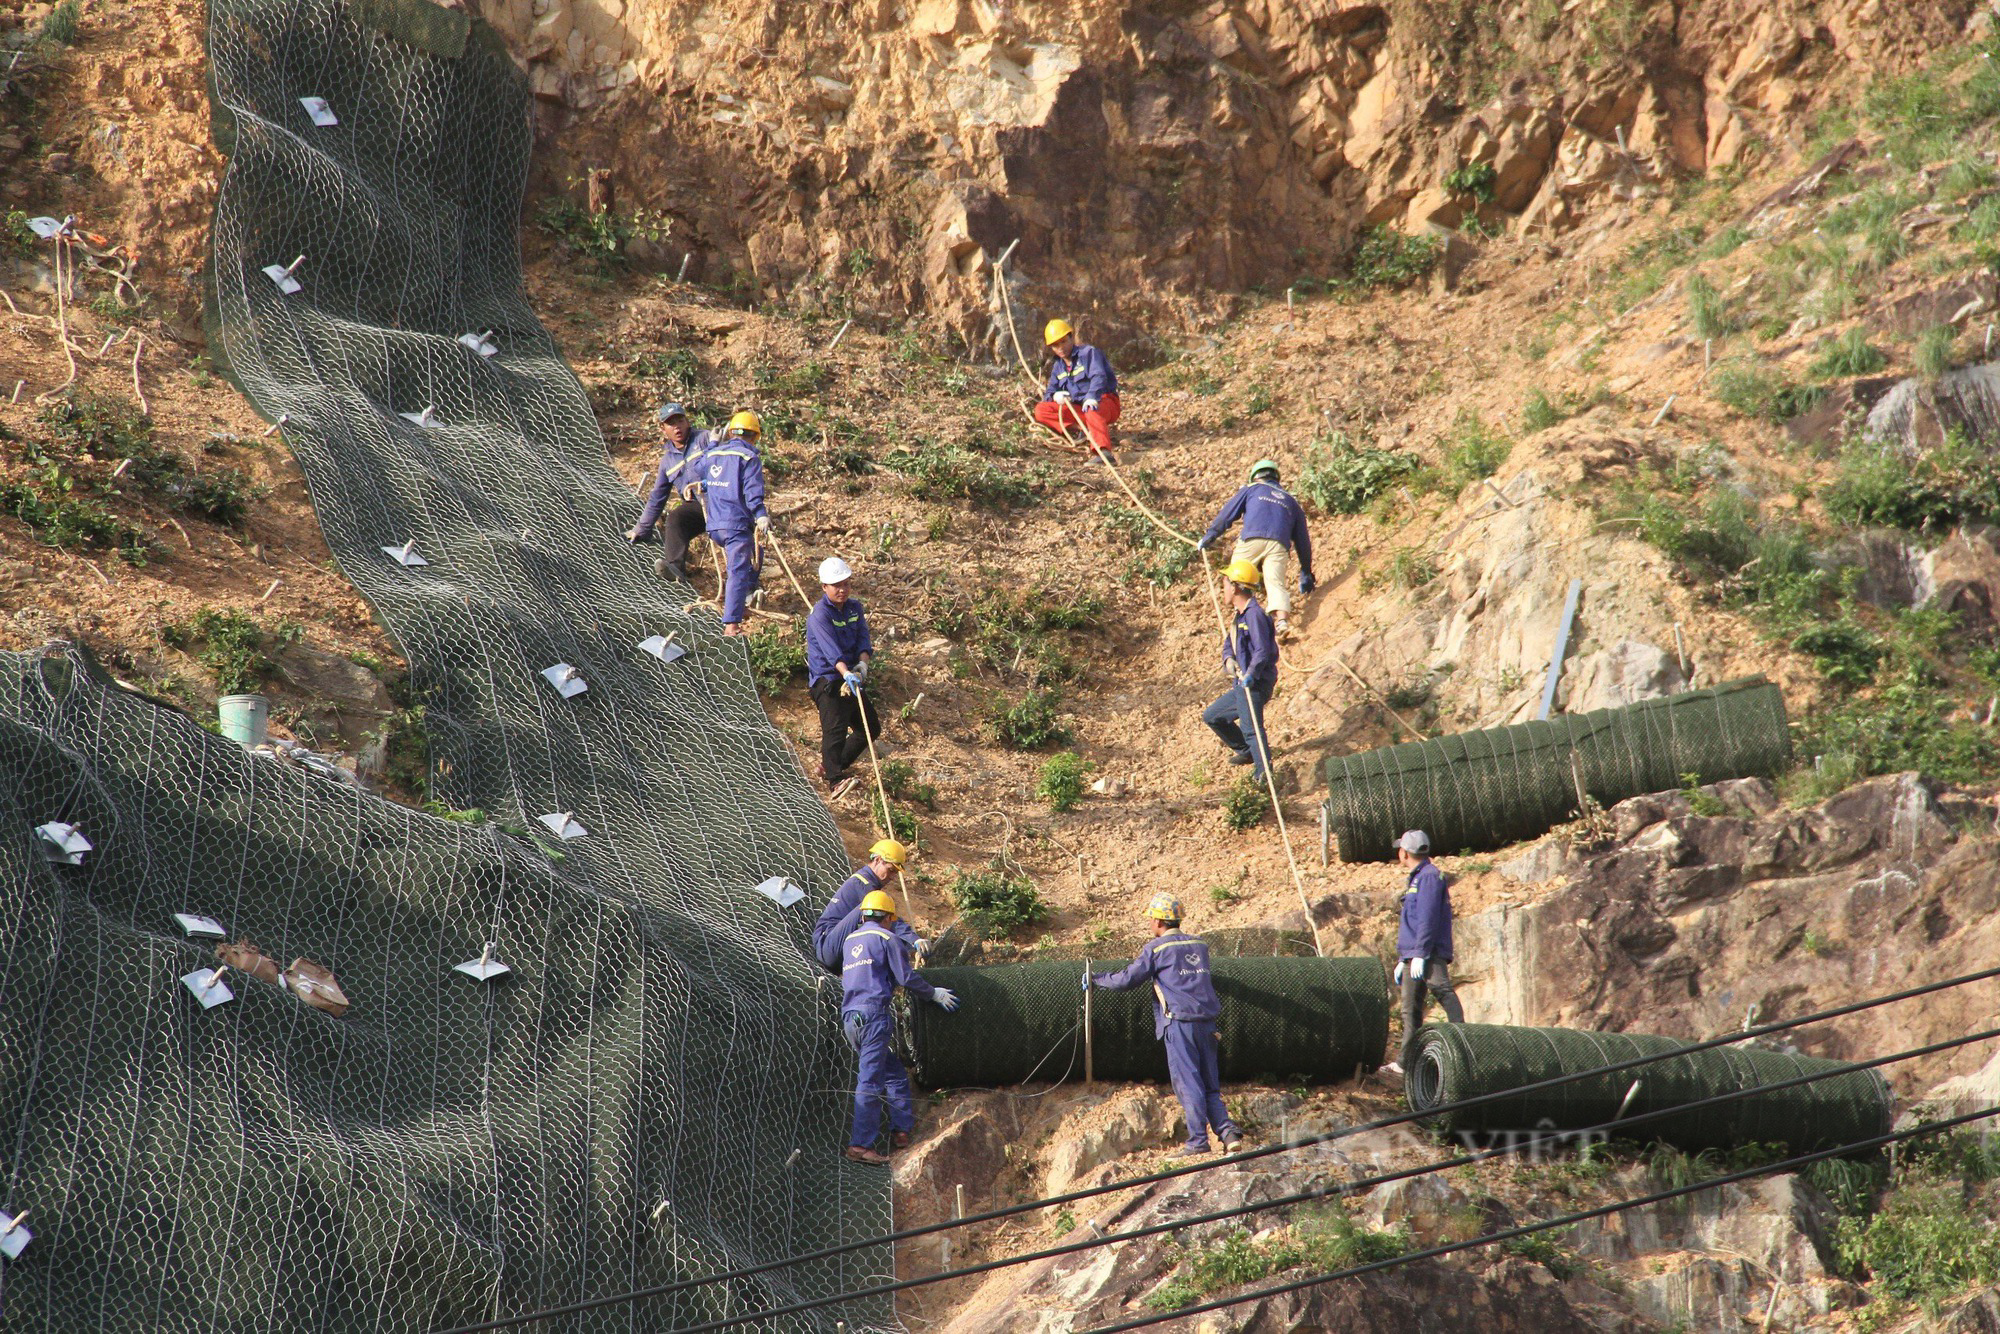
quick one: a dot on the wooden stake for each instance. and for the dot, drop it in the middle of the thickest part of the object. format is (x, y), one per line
(1089, 1037)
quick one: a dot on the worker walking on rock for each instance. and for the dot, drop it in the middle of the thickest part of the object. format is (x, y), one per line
(842, 916)
(678, 479)
(1423, 943)
(1185, 1010)
(874, 962)
(732, 481)
(1274, 526)
(838, 649)
(1082, 390)
(1251, 656)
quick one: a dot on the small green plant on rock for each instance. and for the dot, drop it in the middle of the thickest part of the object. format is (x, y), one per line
(1031, 722)
(1061, 783)
(234, 646)
(995, 903)
(1245, 804)
(777, 655)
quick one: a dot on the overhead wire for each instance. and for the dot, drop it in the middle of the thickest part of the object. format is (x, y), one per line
(1290, 1145)
(1317, 1193)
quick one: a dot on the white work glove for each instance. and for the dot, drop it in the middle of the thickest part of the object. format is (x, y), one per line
(1399, 972)
(763, 523)
(1062, 396)
(946, 998)
(631, 534)
(1417, 969)
(1090, 405)
(923, 946)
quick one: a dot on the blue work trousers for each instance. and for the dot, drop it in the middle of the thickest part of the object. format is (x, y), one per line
(1194, 1060)
(880, 1079)
(1228, 714)
(739, 552)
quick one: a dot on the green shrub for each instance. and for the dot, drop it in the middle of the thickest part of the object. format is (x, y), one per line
(1473, 450)
(1543, 1249)
(1245, 804)
(599, 237)
(1757, 391)
(1880, 485)
(1936, 351)
(677, 373)
(1476, 179)
(60, 27)
(1160, 559)
(1850, 354)
(1538, 413)
(1341, 478)
(233, 646)
(16, 237)
(947, 472)
(1846, 652)
(71, 523)
(1061, 781)
(1708, 313)
(1031, 722)
(1323, 1241)
(406, 753)
(777, 655)
(1386, 258)
(899, 778)
(1925, 1244)
(995, 903)
(109, 429)
(902, 825)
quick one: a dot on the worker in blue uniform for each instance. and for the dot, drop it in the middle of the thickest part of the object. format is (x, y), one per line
(678, 479)
(842, 914)
(1274, 526)
(1423, 944)
(838, 650)
(732, 482)
(1250, 655)
(874, 963)
(1185, 1010)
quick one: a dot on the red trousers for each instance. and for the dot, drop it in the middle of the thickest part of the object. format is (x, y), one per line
(1098, 422)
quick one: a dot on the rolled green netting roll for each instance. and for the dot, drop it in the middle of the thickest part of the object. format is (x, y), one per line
(1458, 1061)
(1475, 791)
(1281, 1017)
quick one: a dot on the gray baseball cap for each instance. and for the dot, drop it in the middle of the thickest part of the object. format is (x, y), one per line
(1415, 842)
(669, 411)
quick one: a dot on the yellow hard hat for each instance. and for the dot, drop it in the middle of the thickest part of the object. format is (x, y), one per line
(1055, 331)
(1243, 572)
(890, 851)
(747, 423)
(1164, 908)
(878, 902)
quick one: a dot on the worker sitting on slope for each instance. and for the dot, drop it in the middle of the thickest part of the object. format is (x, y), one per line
(874, 963)
(678, 477)
(1250, 655)
(842, 916)
(1082, 391)
(1274, 526)
(1423, 944)
(1185, 1009)
(732, 480)
(837, 652)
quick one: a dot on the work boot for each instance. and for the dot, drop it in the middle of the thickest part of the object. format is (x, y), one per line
(900, 1140)
(1242, 757)
(671, 569)
(1186, 1151)
(842, 787)
(1233, 1141)
(858, 1154)
(1280, 625)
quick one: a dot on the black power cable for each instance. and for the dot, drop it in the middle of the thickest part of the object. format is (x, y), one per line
(1566, 1220)
(1248, 1155)
(1364, 1183)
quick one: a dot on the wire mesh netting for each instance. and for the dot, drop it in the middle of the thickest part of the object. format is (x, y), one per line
(1458, 1061)
(658, 1089)
(1281, 1018)
(1476, 791)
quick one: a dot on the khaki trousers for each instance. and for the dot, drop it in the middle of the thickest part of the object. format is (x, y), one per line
(1274, 558)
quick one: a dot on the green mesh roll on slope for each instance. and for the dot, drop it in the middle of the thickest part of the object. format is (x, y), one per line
(657, 1090)
(1458, 1061)
(1475, 791)
(1281, 1018)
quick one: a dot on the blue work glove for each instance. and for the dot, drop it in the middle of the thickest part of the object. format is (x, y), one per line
(1306, 583)
(853, 683)
(946, 998)
(1090, 405)
(1086, 981)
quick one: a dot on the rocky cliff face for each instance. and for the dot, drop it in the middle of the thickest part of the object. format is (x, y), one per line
(1151, 157)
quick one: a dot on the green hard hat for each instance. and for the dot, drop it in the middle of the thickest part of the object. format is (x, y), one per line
(1264, 465)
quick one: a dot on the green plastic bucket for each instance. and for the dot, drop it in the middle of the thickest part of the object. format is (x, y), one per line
(245, 719)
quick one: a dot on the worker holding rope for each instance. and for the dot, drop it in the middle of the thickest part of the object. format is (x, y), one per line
(841, 917)
(1185, 1011)
(1082, 389)
(875, 963)
(732, 479)
(679, 479)
(1274, 526)
(1250, 654)
(838, 650)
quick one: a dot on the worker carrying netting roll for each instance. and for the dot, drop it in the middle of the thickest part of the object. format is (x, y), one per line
(1476, 791)
(1294, 1018)
(1459, 1061)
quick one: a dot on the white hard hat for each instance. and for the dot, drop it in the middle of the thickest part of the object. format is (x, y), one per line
(834, 570)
